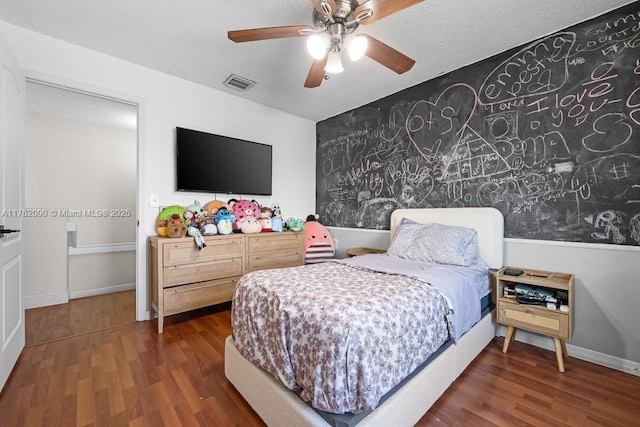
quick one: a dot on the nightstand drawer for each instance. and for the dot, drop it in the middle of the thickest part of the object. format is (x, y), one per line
(534, 318)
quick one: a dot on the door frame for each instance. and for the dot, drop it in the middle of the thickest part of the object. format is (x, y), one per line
(142, 294)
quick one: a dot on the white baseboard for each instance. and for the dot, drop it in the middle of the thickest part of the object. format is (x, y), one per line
(598, 358)
(64, 297)
(46, 300)
(101, 291)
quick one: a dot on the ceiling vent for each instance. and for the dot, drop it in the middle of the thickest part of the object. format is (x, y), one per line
(238, 83)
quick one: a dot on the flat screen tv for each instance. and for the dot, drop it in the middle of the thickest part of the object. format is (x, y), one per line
(212, 163)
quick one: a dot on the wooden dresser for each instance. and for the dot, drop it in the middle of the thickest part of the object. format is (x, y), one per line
(183, 277)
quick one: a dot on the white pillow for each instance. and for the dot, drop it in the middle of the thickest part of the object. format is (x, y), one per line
(444, 244)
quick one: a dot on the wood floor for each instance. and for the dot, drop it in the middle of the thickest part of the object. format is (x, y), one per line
(79, 316)
(130, 376)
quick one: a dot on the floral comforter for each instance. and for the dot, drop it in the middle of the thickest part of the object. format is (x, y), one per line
(340, 334)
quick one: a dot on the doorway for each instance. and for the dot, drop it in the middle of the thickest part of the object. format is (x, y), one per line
(80, 184)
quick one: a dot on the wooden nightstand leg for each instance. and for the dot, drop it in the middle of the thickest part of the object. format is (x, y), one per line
(564, 348)
(559, 344)
(511, 334)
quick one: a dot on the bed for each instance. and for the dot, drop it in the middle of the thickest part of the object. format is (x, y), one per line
(405, 403)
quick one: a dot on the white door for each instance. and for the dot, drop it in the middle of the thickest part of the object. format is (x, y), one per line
(12, 336)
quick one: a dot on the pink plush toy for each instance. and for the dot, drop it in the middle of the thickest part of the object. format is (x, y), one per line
(318, 243)
(243, 208)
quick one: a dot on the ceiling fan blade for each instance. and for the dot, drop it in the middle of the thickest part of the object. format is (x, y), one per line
(384, 8)
(316, 73)
(388, 56)
(331, 4)
(255, 34)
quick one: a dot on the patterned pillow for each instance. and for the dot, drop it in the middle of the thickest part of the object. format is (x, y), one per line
(444, 244)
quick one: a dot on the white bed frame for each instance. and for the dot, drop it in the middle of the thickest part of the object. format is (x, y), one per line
(278, 406)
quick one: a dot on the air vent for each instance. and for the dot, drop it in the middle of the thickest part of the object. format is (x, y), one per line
(238, 83)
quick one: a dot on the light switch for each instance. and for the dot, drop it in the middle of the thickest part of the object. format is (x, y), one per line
(154, 201)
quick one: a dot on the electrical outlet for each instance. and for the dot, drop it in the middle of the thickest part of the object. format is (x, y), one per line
(154, 201)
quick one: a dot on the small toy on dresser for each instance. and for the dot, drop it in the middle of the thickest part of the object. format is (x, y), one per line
(243, 208)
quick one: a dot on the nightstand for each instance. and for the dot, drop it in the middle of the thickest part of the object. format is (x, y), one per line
(361, 251)
(556, 323)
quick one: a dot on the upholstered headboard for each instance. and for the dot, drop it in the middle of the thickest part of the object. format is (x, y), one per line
(488, 222)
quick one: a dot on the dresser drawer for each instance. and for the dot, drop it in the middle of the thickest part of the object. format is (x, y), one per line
(274, 260)
(196, 272)
(186, 252)
(534, 318)
(189, 297)
(274, 242)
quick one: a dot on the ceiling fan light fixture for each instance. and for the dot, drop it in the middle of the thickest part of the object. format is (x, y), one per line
(334, 63)
(317, 45)
(356, 46)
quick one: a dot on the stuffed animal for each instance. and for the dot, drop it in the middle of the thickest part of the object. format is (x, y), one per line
(194, 215)
(176, 226)
(265, 218)
(211, 208)
(224, 221)
(208, 227)
(295, 224)
(249, 225)
(318, 243)
(197, 236)
(276, 212)
(163, 217)
(277, 224)
(243, 208)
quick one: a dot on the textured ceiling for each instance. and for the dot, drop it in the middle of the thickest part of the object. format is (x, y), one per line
(188, 39)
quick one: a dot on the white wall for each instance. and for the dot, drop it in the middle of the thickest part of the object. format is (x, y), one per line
(164, 103)
(72, 166)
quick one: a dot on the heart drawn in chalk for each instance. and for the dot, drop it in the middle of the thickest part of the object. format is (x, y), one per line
(429, 124)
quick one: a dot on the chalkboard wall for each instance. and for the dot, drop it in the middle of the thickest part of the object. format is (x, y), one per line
(548, 133)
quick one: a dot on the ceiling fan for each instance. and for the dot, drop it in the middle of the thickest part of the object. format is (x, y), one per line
(334, 22)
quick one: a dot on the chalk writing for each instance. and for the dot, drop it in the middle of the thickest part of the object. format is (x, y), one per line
(548, 133)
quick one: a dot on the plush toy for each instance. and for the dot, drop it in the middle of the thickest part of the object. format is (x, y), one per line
(295, 224)
(276, 224)
(211, 208)
(176, 226)
(224, 221)
(249, 225)
(163, 217)
(208, 227)
(194, 215)
(276, 212)
(318, 243)
(243, 208)
(265, 218)
(197, 236)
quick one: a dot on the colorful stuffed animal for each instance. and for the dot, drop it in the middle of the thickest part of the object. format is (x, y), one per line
(295, 224)
(318, 242)
(211, 208)
(249, 225)
(194, 215)
(276, 212)
(176, 226)
(243, 208)
(208, 227)
(277, 224)
(265, 218)
(163, 217)
(224, 221)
